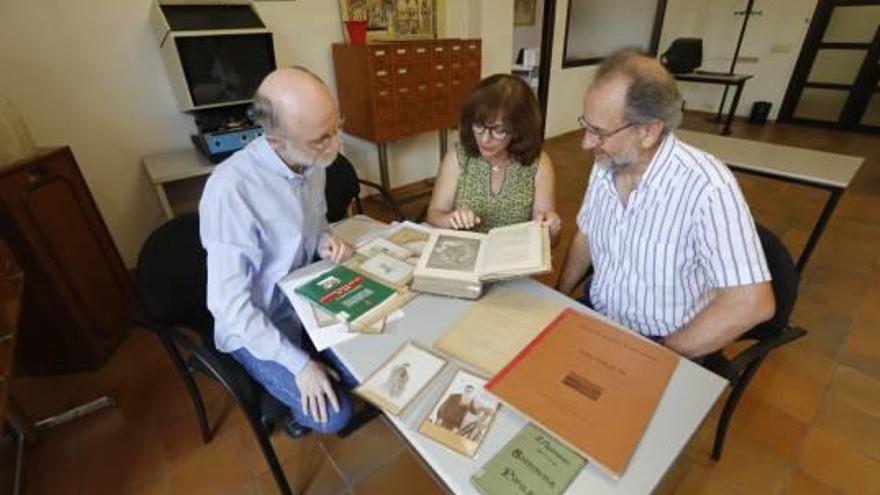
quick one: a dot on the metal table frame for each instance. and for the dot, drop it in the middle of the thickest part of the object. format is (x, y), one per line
(385, 180)
(726, 80)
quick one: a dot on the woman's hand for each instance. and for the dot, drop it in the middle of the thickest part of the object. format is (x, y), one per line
(462, 219)
(551, 220)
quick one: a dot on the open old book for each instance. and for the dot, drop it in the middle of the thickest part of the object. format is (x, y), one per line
(455, 263)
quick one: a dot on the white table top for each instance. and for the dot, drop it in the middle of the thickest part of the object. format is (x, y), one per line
(817, 167)
(690, 395)
(176, 165)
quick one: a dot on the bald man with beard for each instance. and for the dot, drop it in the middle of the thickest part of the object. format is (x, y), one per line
(263, 214)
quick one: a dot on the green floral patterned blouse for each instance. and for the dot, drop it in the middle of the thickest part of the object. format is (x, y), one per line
(512, 204)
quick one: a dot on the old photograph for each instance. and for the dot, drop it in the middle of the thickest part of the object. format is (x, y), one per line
(411, 238)
(397, 381)
(382, 245)
(388, 269)
(461, 418)
(454, 253)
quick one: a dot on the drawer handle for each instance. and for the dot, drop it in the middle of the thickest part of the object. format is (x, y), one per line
(439, 67)
(38, 175)
(403, 90)
(401, 51)
(381, 73)
(438, 49)
(401, 71)
(456, 47)
(379, 53)
(420, 50)
(384, 92)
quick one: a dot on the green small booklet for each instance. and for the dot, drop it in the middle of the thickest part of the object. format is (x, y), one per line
(346, 294)
(532, 463)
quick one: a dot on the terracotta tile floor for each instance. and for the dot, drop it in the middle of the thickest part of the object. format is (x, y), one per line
(809, 424)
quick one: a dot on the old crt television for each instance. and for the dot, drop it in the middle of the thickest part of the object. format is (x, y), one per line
(216, 54)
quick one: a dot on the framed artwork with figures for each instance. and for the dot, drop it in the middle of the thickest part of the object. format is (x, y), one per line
(524, 12)
(393, 19)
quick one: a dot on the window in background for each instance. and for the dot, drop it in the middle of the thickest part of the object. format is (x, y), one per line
(595, 28)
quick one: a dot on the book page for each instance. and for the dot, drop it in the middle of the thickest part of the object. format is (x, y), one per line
(497, 328)
(515, 247)
(452, 255)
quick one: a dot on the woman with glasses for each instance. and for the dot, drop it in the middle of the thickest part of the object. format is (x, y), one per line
(497, 175)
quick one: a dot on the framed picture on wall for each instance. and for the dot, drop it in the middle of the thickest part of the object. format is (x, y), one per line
(524, 12)
(393, 19)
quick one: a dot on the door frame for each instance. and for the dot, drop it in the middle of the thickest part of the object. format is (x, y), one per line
(860, 92)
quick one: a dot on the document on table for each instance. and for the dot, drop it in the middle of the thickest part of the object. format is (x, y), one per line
(497, 328)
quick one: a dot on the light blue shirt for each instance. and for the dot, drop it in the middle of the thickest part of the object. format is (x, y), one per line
(259, 220)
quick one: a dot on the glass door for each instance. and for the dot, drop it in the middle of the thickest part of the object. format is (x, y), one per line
(835, 82)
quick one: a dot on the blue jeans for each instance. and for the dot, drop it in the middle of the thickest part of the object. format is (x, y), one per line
(280, 382)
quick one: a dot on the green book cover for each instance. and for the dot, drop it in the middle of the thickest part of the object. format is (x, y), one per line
(532, 463)
(345, 293)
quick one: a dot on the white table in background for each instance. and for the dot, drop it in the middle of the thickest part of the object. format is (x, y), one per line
(174, 166)
(832, 172)
(690, 395)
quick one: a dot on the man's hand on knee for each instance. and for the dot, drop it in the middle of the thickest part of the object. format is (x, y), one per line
(315, 388)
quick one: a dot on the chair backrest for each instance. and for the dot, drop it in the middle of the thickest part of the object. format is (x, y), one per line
(341, 188)
(171, 276)
(785, 284)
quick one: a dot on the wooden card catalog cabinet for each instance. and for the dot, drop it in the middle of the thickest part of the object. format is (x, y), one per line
(392, 90)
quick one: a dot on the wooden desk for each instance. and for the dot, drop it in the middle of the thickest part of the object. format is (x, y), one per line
(738, 80)
(832, 172)
(690, 395)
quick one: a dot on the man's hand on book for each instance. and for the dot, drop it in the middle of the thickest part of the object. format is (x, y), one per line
(462, 219)
(335, 250)
(315, 390)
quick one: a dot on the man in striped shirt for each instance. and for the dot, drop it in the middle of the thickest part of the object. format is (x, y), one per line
(665, 225)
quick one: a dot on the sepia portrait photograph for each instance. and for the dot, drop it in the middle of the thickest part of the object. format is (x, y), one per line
(461, 418)
(397, 381)
(454, 253)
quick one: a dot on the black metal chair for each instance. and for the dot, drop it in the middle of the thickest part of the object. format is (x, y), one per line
(343, 188)
(171, 282)
(773, 333)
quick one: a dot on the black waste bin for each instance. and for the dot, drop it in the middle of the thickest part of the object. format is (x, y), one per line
(760, 111)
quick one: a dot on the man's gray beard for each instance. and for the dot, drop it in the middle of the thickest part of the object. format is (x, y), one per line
(323, 160)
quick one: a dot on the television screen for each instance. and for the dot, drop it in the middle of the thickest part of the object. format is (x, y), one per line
(225, 68)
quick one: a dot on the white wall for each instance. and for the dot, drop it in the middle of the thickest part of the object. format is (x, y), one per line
(566, 85)
(770, 48)
(774, 39)
(89, 74)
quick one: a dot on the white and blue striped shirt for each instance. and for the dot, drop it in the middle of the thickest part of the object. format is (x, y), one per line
(685, 231)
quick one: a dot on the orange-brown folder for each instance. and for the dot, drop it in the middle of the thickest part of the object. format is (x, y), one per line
(593, 385)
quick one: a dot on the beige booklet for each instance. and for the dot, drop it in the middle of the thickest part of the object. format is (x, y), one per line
(460, 257)
(497, 328)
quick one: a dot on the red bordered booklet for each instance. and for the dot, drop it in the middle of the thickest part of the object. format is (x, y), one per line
(593, 385)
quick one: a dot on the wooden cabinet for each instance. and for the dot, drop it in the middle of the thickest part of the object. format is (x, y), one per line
(77, 299)
(392, 90)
